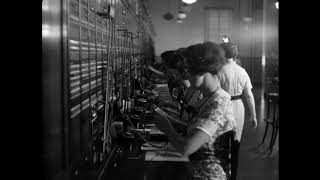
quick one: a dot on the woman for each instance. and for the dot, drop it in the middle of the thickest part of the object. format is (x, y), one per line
(179, 87)
(173, 62)
(186, 95)
(156, 71)
(235, 80)
(213, 118)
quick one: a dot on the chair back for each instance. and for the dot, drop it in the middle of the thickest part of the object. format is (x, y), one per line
(272, 100)
(223, 146)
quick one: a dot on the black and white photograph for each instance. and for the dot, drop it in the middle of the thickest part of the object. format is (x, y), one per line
(160, 90)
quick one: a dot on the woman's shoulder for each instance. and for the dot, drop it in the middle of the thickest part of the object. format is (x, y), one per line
(219, 109)
(221, 101)
(240, 69)
(223, 111)
(221, 96)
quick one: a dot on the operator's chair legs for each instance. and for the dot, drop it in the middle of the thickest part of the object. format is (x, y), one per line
(273, 100)
(234, 159)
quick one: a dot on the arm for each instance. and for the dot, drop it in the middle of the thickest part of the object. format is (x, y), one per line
(250, 99)
(172, 117)
(176, 120)
(159, 73)
(184, 145)
(190, 144)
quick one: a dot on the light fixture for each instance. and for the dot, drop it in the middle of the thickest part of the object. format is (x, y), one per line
(277, 4)
(179, 20)
(186, 8)
(247, 19)
(189, 1)
(168, 16)
(182, 15)
(225, 39)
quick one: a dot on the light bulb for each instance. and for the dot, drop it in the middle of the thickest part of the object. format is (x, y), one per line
(189, 1)
(182, 15)
(277, 5)
(247, 19)
(179, 21)
(225, 39)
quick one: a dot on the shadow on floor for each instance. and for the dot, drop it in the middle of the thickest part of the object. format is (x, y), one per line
(253, 165)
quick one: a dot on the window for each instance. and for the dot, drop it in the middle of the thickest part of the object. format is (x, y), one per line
(218, 22)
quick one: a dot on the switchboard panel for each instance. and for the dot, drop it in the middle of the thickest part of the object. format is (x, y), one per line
(107, 43)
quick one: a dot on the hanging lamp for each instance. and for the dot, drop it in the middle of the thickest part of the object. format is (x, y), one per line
(168, 16)
(189, 1)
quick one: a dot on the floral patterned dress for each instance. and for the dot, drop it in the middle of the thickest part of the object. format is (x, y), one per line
(191, 98)
(215, 111)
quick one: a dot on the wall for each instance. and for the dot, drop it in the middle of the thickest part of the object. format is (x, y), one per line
(272, 47)
(248, 35)
(53, 149)
(171, 35)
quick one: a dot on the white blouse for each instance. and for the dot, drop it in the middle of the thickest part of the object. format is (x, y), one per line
(234, 79)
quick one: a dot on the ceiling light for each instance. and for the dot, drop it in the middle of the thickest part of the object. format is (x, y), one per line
(189, 1)
(182, 15)
(179, 20)
(277, 5)
(168, 16)
(247, 19)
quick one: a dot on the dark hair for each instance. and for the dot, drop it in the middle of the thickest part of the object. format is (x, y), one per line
(205, 57)
(182, 51)
(174, 59)
(230, 49)
(164, 56)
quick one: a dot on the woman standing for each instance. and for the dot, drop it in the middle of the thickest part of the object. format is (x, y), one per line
(213, 118)
(235, 80)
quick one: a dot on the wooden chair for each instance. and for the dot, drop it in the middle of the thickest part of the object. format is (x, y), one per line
(272, 119)
(227, 143)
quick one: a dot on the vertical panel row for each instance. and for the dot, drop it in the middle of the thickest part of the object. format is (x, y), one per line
(107, 45)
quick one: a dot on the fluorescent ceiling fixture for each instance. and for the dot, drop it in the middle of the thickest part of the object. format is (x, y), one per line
(277, 5)
(189, 1)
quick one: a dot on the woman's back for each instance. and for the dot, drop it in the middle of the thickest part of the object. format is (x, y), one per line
(233, 78)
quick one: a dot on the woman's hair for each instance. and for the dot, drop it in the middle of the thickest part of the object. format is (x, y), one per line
(205, 57)
(230, 49)
(175, 59)
(165, 55)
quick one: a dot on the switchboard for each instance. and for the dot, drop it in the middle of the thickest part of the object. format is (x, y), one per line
(108, 42)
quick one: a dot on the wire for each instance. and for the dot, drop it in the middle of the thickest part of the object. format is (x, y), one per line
(146, 141)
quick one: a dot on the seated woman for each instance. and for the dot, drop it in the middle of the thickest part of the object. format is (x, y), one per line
(185, 94)
(174, 62)
(156, 71)
(213, 119)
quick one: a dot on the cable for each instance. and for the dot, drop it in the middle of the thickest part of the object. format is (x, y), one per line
(146, 141)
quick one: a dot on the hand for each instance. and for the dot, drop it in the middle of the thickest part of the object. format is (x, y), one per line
(254, 121)
(162, 123)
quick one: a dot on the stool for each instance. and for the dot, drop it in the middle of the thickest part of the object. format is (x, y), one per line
(272, 119)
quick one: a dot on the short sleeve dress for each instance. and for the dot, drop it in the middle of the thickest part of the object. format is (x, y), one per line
(234, 79)
(191, 98)
(217, 110)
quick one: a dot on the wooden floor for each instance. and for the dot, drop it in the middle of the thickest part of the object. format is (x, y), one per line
(254, 166)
